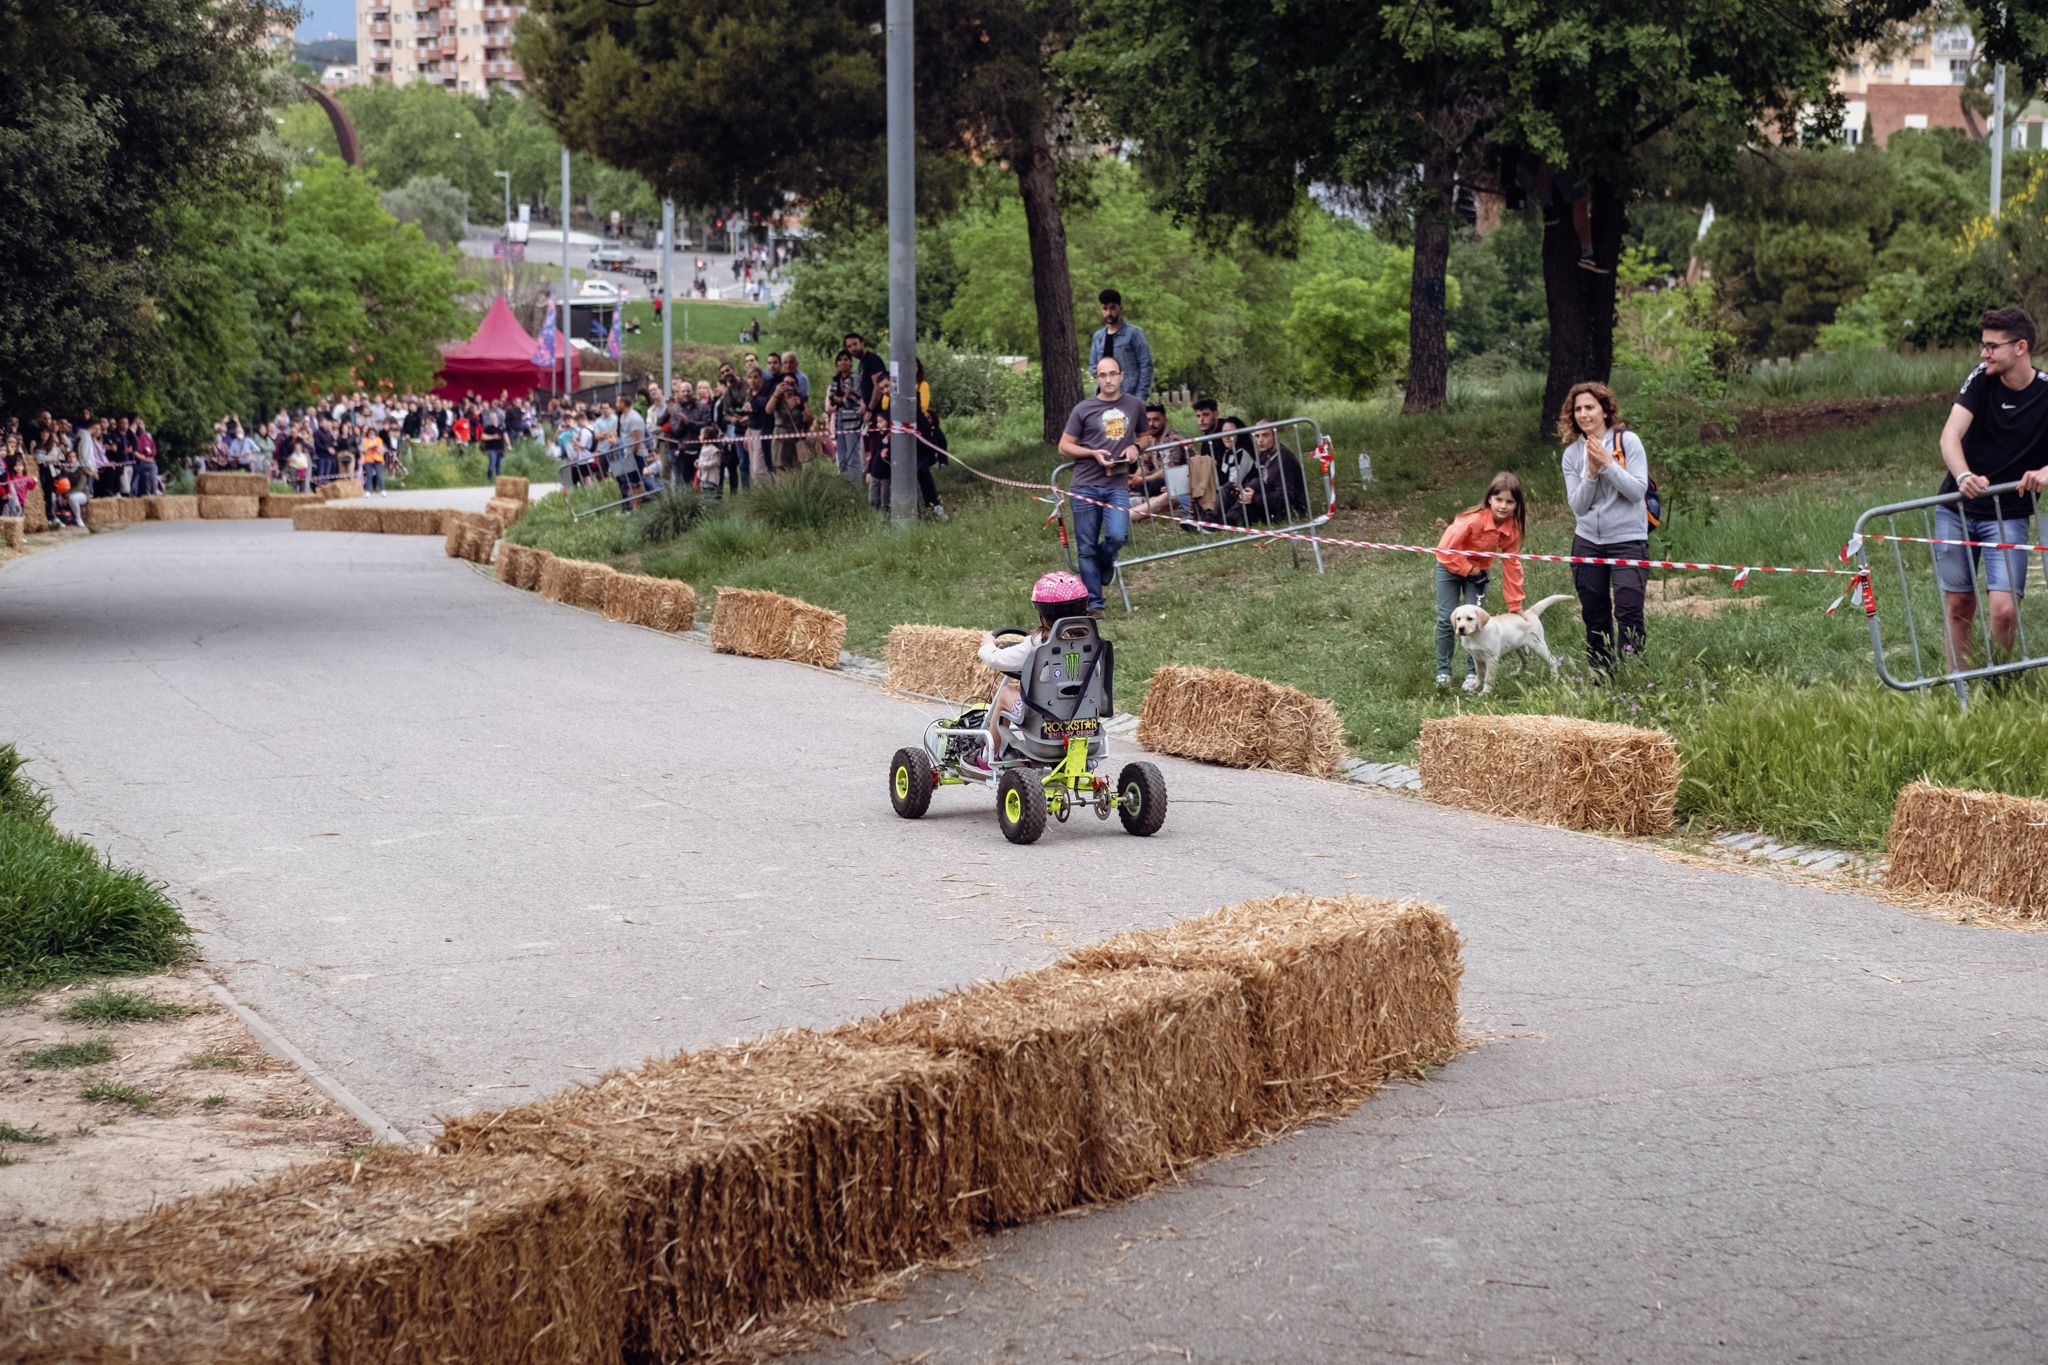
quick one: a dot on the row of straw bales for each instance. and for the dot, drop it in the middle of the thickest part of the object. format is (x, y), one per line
(1245, 722)
(767, 625)
(655, 1213)
(365, 517)
(103, 513)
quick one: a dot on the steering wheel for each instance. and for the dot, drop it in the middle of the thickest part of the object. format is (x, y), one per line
(1000, 631)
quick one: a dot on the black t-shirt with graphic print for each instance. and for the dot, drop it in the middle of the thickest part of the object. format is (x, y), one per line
(2008, 436)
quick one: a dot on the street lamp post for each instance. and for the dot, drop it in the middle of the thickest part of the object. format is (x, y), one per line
(902, 266)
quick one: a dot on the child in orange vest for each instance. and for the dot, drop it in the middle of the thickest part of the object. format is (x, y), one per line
(1497, 523)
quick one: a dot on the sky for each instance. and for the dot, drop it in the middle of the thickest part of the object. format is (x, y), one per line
(322, 17)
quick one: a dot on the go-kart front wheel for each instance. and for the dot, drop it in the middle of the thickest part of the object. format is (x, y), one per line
(1020, 806)
(1141, 798)
(910, 782)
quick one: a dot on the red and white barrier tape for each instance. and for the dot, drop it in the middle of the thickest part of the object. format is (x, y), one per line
(1859, 584)
(1972, 544)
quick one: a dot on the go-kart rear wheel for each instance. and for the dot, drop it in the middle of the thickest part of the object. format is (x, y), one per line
(910, 782)
(1141, 798)
(1020, 806)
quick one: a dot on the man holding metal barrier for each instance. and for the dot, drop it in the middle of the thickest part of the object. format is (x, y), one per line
(1996, 431)
(1100, 438)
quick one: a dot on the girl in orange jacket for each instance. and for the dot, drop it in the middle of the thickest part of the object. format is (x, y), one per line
(1497, 523)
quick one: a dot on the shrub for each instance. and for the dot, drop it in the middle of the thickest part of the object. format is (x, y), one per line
(665, 517)
(816, 499)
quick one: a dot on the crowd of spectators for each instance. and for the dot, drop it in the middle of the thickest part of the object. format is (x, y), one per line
(65, 462)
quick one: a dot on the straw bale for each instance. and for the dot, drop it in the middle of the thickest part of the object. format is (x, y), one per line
(588, 583)
(658, 603)
(511, 486)
(768, 625)
(454, 527)
(1340, 992)
(232, 485)
(14, 532)
(402, 1257)
(319, 516)
(1086, 1086)
(213, 507)
(556, 578)
(506, 510)
(479, 541)
(172, 507)
(411, 521)
(280, 506)
(340, 489)
(1245, 722)
(939, 661)
(104, 512)
(519, 565)
(1554, 769)
(34, 517)
(756, 1176)
(1986, 846)
(358, 518)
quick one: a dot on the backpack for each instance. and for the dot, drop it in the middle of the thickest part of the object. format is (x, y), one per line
(1653, 501)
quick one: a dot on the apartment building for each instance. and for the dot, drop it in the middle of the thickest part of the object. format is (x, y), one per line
(463, 45)
(1916, 84)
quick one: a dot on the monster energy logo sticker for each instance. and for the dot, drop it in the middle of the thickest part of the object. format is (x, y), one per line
(1073, 663)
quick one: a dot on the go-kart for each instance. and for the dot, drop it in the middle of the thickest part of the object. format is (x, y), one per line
(1050, 762)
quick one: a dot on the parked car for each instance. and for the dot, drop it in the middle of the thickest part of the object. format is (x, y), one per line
(609, 257)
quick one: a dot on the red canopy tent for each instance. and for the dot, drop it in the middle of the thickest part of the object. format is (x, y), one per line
(499, 359)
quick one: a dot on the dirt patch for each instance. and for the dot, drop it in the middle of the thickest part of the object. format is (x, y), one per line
(1697, 596)
(186, 1104)
(43, 540)
(1791, 421)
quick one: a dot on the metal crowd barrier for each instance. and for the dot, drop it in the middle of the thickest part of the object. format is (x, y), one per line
(1236, 459)
(653, 450)
(1904, 546)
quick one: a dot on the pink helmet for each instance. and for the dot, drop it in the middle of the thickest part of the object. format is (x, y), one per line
(1058, 586)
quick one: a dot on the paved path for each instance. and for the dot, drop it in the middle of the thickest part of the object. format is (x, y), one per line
(463, 846)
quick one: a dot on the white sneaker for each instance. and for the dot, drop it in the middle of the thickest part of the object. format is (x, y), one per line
(1443, 680)
(1471, 683)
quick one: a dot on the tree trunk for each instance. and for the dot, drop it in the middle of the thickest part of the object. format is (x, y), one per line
(1052, 288)
(1580, 302)
(1429, 354)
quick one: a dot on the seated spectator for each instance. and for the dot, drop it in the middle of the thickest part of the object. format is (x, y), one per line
(1274, 489)
(710, 461)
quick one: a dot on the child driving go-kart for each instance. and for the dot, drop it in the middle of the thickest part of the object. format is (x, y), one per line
(1039, 742)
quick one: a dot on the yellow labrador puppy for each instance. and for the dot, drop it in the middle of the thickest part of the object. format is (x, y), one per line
(1489, 638)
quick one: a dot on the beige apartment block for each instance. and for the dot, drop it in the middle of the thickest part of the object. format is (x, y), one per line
(461, 45)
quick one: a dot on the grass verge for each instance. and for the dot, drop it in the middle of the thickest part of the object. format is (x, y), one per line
(105, 1006)
(65, 912)
(58, 1056)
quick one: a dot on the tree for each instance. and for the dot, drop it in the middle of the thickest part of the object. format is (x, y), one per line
(434, 202)
(1350, 332)
(108, 128)
(712, 110)
(351, 297)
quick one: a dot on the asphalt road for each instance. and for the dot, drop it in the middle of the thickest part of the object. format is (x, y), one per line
(462, 847)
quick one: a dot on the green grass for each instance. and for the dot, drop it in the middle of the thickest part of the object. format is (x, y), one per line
(109, 1093)
(706, 325)
(32, 1136)
(1361, 634)
(105, 1006)
(65, 912)
(451, 466)
(89, 1053)
(216, 1061)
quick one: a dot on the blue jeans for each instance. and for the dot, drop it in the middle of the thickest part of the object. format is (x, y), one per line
(1099, 532)
(1454, 591)
(373, 476)
(496, 461)
(1956, 566)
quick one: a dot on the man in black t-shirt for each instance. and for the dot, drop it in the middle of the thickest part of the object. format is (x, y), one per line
(866, 365)
(1997, 433)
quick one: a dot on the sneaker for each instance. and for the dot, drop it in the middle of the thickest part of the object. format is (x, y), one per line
(1095, 612)
(1443, 680)
(1588, 263)
(1471, 683)
(939, 512)
(977, 763)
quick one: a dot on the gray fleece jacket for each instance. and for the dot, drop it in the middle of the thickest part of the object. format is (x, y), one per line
(1609, 506)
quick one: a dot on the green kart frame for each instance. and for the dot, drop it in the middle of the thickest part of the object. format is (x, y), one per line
(1029, 791)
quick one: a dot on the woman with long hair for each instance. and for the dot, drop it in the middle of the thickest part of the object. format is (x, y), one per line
(1607, 484)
